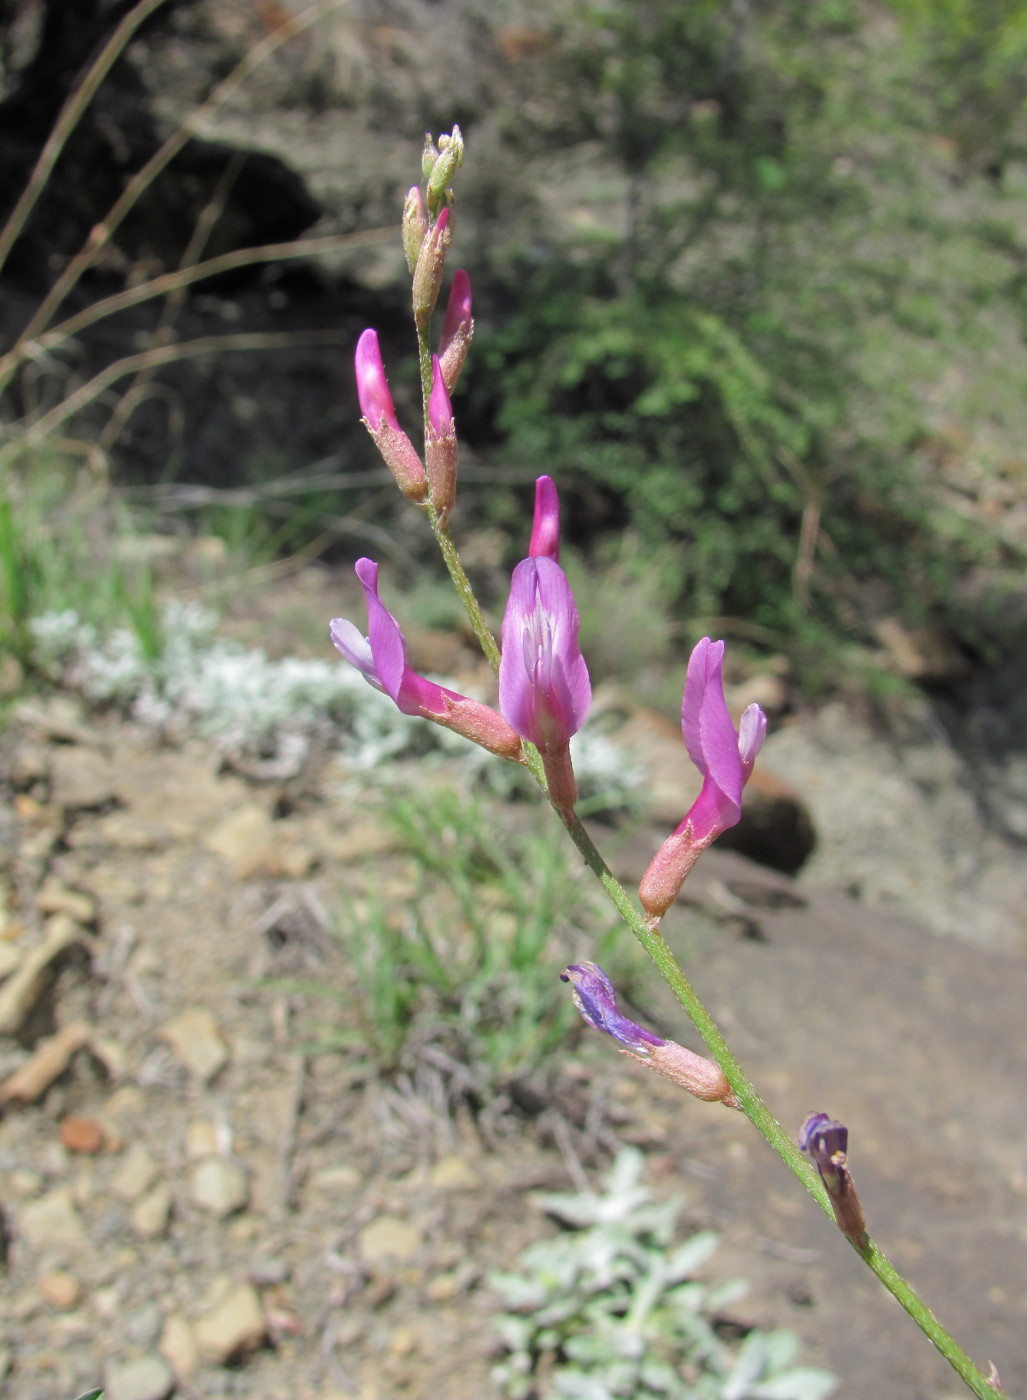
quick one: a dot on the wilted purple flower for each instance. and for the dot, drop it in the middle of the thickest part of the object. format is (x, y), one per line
(457, 329)
(545, 534)
(596, 1001)
(381, 659)
(544, 690)
(826, 1142)
(379, 416)
(725, 759)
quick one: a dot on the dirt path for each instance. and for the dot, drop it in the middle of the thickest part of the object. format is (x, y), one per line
(212, 1199)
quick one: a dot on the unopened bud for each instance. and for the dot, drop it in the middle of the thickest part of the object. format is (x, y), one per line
(457, 329)
(415, 226)
(448, 162)
(428, 273)
(429, 156)
(440, 450)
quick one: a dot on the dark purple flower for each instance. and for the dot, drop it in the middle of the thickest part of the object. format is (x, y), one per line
(595, 999)
(826, 1142)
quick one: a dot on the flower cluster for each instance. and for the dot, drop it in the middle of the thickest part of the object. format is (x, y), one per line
(544, 688)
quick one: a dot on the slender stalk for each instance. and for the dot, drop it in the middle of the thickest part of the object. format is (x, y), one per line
(70, 116)
(462, 585)
(759, 1115)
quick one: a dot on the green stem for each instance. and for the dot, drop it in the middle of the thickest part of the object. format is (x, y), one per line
(482, 631)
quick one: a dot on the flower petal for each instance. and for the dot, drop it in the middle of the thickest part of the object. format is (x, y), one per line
(355, 647)
(544, 689)
(545, 533)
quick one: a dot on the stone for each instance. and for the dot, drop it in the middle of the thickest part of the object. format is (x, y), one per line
(142, 1327)
(388, 1238)
(233, 1328)
(52, 1222)
(148, 1378)
(244, 839)
(136, 1174)
(82, 778)
(453, 1174)
(152, 1212)
(80, 1134)
(61, 1288)
(54, 898)
(196, 1041)
(201, 1140)
(219, 1186)
(178, 1347)
(335, 1180)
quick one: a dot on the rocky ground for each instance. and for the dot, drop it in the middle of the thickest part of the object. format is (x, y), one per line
(205, 1195)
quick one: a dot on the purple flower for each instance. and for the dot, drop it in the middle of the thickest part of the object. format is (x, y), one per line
(544, 690)
(826, 1142)
(379, 415)
(596, 1000)
(545, 534)
(372, 386)
(457, 329)
(723, 756)
(440, 451)
(381, 659)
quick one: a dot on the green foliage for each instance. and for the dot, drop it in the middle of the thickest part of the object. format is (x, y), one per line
(784, 284)
(612, 1308)
(60, 549)
(472, 956)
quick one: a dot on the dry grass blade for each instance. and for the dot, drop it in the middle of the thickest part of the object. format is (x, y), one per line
(69, 118)
(141, 181)
(37, 432)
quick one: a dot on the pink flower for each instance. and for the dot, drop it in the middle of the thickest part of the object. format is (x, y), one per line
(725, 759)
(381, 659)
(545, 534)
(440, 453)
(457, 329)
(544, 690)
(379, 416)
(372, 386)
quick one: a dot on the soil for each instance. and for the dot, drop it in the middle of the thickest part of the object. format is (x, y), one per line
(212, 1170)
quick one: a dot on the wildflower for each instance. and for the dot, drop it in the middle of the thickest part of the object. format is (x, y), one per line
(545, 534)
(431, 261)
(381, 659)
(725, 759)
(457, 329)
(544, 690)
(379, 417)
(440, 445)
(596, 1001)
(826, 1141)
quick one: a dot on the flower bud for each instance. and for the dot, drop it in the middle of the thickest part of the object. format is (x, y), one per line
(448, 162)
(545, 533)
(457, 329)
(440, 450)
(415, 226)
(379, 417)
(428, 272)
(429, 156)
